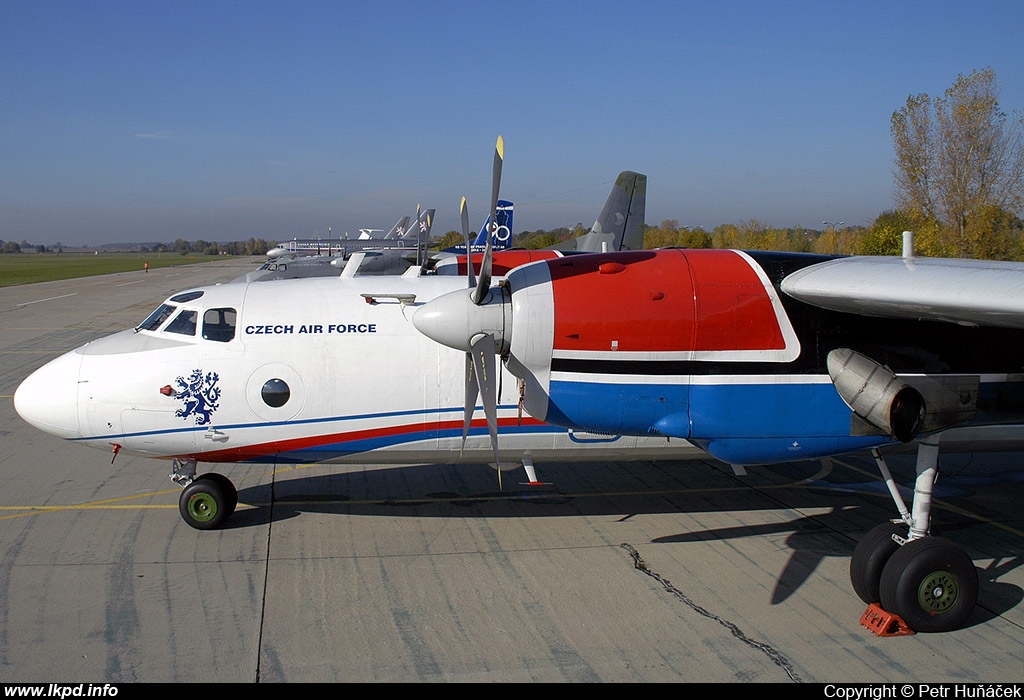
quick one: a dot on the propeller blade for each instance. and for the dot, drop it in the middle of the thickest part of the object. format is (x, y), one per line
(472, 391)
(485, 367)
(421, 242)
(483, 285)
(464, 212)
(499, 159)
(484, 282)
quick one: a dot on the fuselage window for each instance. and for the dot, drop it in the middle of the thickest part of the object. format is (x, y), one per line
(184, 323)
(219, 325)
(157, 318)
(275, 393)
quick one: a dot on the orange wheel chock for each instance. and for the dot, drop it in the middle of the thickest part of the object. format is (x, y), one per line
(884, 624)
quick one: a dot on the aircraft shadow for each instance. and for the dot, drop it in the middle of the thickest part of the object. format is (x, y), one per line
(848, 491)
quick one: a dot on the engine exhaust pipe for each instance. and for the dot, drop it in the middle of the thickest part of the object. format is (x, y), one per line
(877, 395)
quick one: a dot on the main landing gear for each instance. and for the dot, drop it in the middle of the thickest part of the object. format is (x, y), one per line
(207, 500)
(929, 582)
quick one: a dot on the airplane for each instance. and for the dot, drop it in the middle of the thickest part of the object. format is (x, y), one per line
(619, 226)
(235, 373)
(500, 234)
(751, 357)
(318, 246)
(383, 256)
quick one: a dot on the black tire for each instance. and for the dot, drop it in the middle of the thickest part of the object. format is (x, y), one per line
(228, 489)
(869, 559)
(931, 583)
(203, 504)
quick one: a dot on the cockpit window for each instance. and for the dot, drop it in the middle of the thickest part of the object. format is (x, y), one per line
(186, 296)
(219, 325)
(184, 323)
(157, 318)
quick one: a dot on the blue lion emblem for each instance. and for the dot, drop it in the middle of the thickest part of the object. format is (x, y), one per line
(199, 394)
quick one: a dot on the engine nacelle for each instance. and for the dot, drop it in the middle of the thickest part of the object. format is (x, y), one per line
(876, 394)
(609, 343)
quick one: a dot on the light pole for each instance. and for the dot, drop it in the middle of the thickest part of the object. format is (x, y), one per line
(833, 226)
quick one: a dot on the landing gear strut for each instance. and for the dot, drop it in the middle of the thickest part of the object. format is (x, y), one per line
(929, 582)
(207, 500)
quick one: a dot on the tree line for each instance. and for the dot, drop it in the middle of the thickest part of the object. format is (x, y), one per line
(253, 246)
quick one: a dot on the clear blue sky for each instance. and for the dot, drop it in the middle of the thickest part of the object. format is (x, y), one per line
(150, 121)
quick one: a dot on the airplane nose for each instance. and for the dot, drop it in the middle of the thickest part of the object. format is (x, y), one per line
(48, 398)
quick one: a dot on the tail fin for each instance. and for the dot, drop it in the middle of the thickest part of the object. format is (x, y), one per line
(503, 235)
(399, 230)
(620, 225)
(424, 220)
(423, 224)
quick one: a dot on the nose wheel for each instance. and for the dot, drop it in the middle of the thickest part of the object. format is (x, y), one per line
(208, 501)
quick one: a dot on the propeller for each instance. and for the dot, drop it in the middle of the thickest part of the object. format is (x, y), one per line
(472, 322)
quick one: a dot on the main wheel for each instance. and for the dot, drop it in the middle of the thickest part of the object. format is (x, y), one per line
(869, 559)
(204, 505)
(931, 583)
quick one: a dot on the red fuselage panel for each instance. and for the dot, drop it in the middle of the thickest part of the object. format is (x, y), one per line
(734, 311)
(662, 301)
(504, 261)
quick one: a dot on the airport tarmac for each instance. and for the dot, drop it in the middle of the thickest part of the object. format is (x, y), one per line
(614, 572)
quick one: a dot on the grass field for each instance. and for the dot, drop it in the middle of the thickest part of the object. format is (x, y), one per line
(25, 268)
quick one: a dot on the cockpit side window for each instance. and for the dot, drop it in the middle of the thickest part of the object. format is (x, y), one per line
(157, 318)
(219, 325)
(184, 323)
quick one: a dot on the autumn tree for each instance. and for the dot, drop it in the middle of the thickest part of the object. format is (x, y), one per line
(885, 235)
(669, 234)
(960, 163)
(449, 240)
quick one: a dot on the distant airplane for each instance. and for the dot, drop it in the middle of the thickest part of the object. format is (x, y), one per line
(319, 246)
(500, 236)
(500, 233)
(393, 254)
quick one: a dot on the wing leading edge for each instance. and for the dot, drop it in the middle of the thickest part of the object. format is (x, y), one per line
(968, 292)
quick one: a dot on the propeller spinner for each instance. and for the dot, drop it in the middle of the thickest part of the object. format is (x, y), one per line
(476, 321)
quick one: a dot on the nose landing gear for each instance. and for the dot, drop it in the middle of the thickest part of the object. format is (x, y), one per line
(207, 500)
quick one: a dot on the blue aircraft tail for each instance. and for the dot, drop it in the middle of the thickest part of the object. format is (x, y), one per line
(503, 235)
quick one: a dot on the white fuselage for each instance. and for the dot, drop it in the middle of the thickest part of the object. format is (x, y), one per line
(326, 369)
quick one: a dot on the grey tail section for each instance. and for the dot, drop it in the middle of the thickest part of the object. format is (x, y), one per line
(399, 230)
(620, 225)
(423, 225)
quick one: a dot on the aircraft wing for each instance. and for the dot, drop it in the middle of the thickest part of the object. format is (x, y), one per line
(968, 292)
